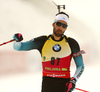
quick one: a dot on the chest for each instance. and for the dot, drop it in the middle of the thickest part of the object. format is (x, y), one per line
(56, 49)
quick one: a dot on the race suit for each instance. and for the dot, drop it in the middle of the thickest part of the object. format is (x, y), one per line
(56, 59)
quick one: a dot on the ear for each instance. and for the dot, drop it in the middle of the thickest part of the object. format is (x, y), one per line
(53, 24)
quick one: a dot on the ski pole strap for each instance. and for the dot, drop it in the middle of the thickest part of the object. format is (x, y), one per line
(7, 42)
(81, 90)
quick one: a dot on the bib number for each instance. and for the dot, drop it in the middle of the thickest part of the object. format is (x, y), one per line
(53, 60)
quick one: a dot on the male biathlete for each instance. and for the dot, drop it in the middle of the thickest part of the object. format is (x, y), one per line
(56, 52)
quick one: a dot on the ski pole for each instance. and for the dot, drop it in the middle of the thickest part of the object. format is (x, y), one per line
(7, 42)
(81, 90)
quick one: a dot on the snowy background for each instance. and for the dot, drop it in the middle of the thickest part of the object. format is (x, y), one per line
(21, 71)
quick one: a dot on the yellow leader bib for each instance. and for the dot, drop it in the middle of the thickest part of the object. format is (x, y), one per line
(56, 57)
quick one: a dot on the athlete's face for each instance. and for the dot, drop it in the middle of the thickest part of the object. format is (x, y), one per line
(59, 30)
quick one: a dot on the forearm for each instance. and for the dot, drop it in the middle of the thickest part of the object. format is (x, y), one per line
(23, 46)
(79, 67)
(17, 46)
(78, 72)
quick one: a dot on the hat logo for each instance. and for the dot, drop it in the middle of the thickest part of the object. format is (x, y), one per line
(64, 18)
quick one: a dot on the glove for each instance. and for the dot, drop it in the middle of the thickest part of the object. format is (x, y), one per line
(70, 86)
(18, 37)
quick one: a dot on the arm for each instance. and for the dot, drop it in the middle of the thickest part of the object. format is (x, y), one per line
(77, 56)
(23, 46)
(79, 66)
(35, 43)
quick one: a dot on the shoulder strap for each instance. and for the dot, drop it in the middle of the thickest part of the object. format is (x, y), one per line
(48, 36)
(66, 37)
